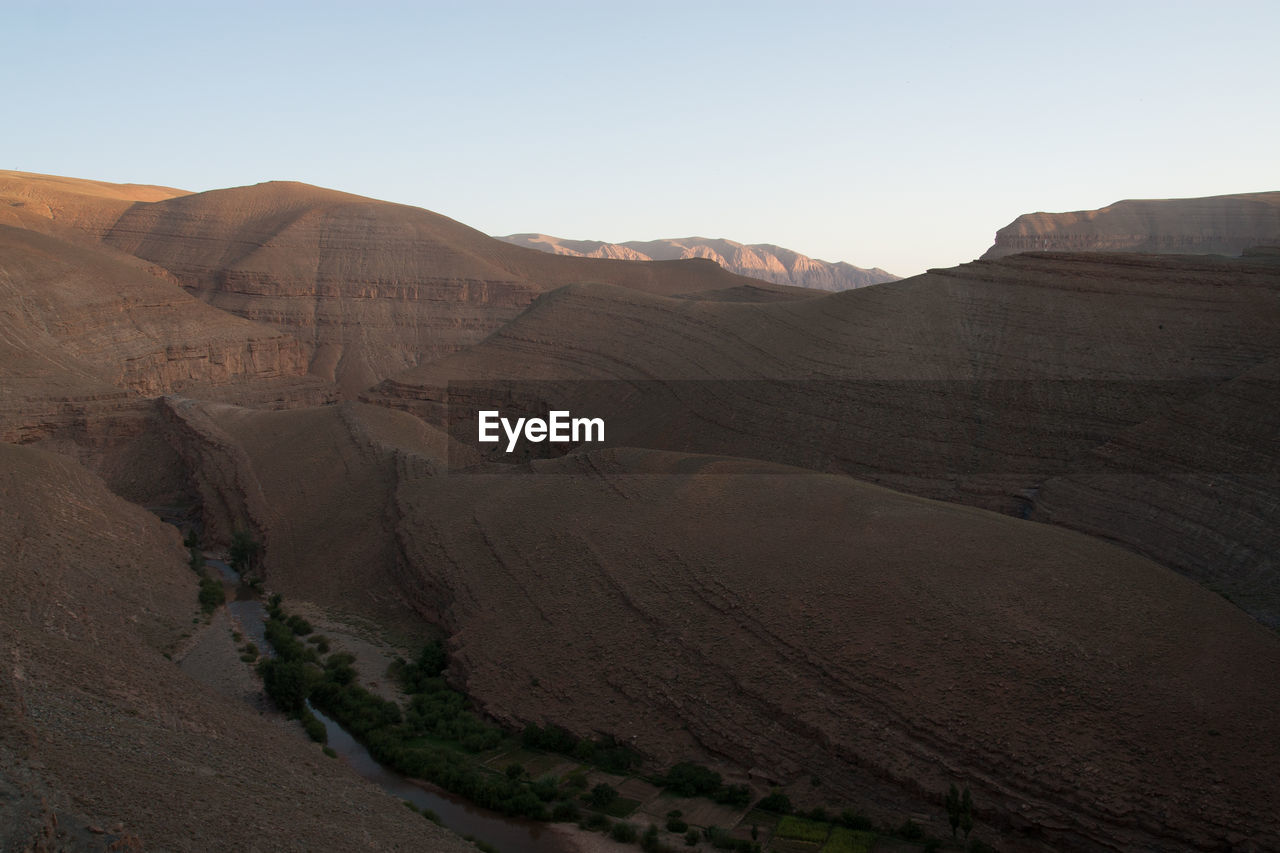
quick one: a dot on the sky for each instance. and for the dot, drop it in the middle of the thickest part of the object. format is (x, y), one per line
(891, 134)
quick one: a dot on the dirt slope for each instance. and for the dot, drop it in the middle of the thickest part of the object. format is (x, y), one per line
(1224, 224)
(70, 206)
(369, 286)
(102, 739)
(977, 384)
(806, 623)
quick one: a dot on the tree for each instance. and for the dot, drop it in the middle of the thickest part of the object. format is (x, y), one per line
(966, 813)
(244, 551)
(953, 808)
(602, 795)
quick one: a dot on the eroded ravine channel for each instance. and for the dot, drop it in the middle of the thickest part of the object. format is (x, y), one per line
(508, 835)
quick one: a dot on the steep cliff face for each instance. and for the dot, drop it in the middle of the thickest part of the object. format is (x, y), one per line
(762, 261)
(1225, 225)
(85, 323)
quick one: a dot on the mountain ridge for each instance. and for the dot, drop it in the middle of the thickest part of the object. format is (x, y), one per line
(1224, 224)
(764, 261)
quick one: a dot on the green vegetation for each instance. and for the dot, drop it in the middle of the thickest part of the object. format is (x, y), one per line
(606, 753)
(721, 840)
(959, 810)
(845, 840)
(687, 779)
(211, 595)
(602, 796)
(244, 553)
(910, 830)
(437, 735)
(776, 802)
(623, 832)
(803, 829)
(621, 807)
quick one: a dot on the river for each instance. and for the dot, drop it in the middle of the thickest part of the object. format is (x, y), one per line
(508, 835)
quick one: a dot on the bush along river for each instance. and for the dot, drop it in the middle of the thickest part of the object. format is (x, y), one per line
(501, 832)
(434, 752)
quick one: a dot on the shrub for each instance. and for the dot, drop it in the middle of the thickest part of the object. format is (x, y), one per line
(602, 795)
(649, 842)
(687, 779)
(244, 551)
(329, 751)
(910, 830)
(677, 825)
(855, 820)
(546, 788)
(287, 683)
(777, 802)
(691, 838)
(551, 738)
(624, 832)
(314, 728)
(515, 771)
(565, 811)
(211, 594)
(733, 795)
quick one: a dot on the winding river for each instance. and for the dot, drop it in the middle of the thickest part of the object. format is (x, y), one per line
(508, 835)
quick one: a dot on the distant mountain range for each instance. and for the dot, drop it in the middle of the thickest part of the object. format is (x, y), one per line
(1220, 225)
(757, 260)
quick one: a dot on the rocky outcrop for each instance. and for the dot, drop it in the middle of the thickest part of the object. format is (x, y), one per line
(762, 261)
(1224, 225)
(99, 318)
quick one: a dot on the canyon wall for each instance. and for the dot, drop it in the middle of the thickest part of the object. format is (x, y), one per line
(1223, 225)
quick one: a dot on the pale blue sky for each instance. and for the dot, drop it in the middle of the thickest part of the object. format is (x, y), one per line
(899, 135)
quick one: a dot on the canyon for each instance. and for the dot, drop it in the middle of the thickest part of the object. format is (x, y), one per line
(1012, 524)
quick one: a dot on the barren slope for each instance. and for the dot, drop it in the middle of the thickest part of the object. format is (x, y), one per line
(98, 730)
(757, 260)
(68, 206)
(88, 337)
(782, 619)
(811, 624)
(1224, 224)
(370, 287)
(976, 384)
